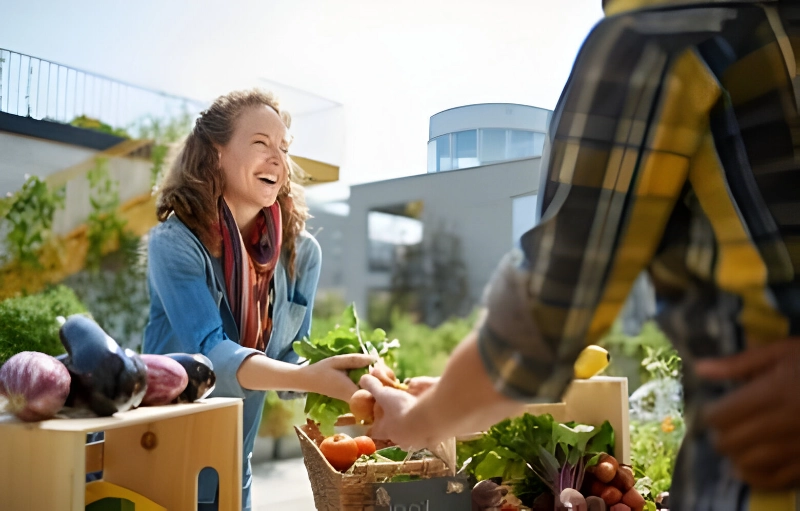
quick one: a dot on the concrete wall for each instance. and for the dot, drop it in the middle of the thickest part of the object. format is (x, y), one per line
(133, 176)
(475, 204)
(20, 155)
(330, 229)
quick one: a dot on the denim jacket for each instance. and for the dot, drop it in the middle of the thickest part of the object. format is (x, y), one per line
(190, 313)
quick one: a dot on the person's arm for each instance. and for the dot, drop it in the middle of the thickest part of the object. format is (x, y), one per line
(619, 149)
(178, 278)
(462, 401)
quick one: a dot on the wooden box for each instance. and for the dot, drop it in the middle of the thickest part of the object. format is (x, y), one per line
(593, 401)
(156, 452)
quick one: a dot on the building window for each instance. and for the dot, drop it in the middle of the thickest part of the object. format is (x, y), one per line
(493, 145)
(391, 230)
(443, 159)
(520, 144)
(471, 148)
(466, 153)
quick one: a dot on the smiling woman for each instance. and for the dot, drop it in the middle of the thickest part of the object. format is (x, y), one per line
(232, 272)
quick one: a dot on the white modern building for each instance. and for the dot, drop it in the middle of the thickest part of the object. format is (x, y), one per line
(446, 228)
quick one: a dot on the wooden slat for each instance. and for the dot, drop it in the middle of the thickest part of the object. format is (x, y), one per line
(94, 457)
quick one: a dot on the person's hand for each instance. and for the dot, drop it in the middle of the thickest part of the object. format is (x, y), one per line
(329, 376)
(383, 372)
(757, 424)
(392, 419)
(419, 384)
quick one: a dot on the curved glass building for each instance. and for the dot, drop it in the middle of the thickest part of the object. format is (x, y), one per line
(475, 135)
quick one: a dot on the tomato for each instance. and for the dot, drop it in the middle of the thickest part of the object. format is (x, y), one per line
(340, 450)
(365, 445)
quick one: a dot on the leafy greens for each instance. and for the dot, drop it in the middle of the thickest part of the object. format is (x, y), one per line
(535, 453)
(346, 337)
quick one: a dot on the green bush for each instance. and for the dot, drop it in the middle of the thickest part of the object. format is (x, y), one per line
(29, 323)
(628, 353)
(424, 350)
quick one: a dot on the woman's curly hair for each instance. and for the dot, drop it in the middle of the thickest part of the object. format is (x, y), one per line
(193, 185)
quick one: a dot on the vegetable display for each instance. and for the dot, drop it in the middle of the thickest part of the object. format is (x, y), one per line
(36, 385)
(166, 379)
(534, 452)
(106, 378)
(202, 379)
(347, 337)
(99, 376)
(551, 465)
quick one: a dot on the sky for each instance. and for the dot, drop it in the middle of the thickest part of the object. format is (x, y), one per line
(386, 66)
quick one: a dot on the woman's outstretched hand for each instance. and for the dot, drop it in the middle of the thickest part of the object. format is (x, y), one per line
(329, 376)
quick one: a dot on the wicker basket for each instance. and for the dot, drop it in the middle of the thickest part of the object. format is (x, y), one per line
(335, 491)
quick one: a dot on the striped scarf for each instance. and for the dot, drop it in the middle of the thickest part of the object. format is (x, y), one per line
(249, 267)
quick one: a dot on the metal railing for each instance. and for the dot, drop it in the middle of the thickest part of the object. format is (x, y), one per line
(41, 89)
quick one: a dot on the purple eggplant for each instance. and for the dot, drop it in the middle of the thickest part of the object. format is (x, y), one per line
(105, 378)
(35, 384)
(201, 376)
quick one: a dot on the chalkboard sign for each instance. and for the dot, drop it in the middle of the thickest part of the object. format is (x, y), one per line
(437, 494)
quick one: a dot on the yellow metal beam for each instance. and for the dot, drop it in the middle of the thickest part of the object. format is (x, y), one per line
(316, 172)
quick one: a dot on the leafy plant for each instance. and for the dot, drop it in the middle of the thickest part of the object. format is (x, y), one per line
(346, 337)
(105, 227)
(627, 352)
(28, 323)
(654, 449)
(535, 453)
(163, 132)
(116, 292)
(425, 349)
(89, 123)
(28, 220)
(276, 420)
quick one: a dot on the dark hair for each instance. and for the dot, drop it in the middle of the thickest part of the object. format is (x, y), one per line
(194, 183)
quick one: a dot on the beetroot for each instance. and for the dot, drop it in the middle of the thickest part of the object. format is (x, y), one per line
(36, 385)
(166, 379)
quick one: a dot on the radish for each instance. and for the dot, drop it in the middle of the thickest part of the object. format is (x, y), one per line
(166, 379)
(35, 384)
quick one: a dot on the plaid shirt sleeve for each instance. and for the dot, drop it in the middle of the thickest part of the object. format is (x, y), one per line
(631, 117)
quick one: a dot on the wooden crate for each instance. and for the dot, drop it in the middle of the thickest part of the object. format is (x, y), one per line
(156, 452)
(593, 401)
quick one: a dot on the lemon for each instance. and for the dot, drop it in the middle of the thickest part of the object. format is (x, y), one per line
(592, 360)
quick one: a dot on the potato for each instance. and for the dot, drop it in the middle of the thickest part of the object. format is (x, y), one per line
(620, 507)
(623, 479)
(633, 499)
(606, 468)
(597, 488)
(610, 495)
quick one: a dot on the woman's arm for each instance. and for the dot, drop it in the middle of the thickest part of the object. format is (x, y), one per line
(328, 377)
(177, 277)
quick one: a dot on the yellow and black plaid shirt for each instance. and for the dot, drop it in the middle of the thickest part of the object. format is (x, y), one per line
(675, 148)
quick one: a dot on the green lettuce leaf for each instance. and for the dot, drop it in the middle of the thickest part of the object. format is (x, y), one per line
(346, 338)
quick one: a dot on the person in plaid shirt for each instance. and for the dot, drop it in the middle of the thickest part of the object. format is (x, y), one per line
(675, 148)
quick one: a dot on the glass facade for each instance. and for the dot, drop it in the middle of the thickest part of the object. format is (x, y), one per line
(472, 148)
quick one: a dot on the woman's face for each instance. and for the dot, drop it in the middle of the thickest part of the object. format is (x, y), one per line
(254, 161)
